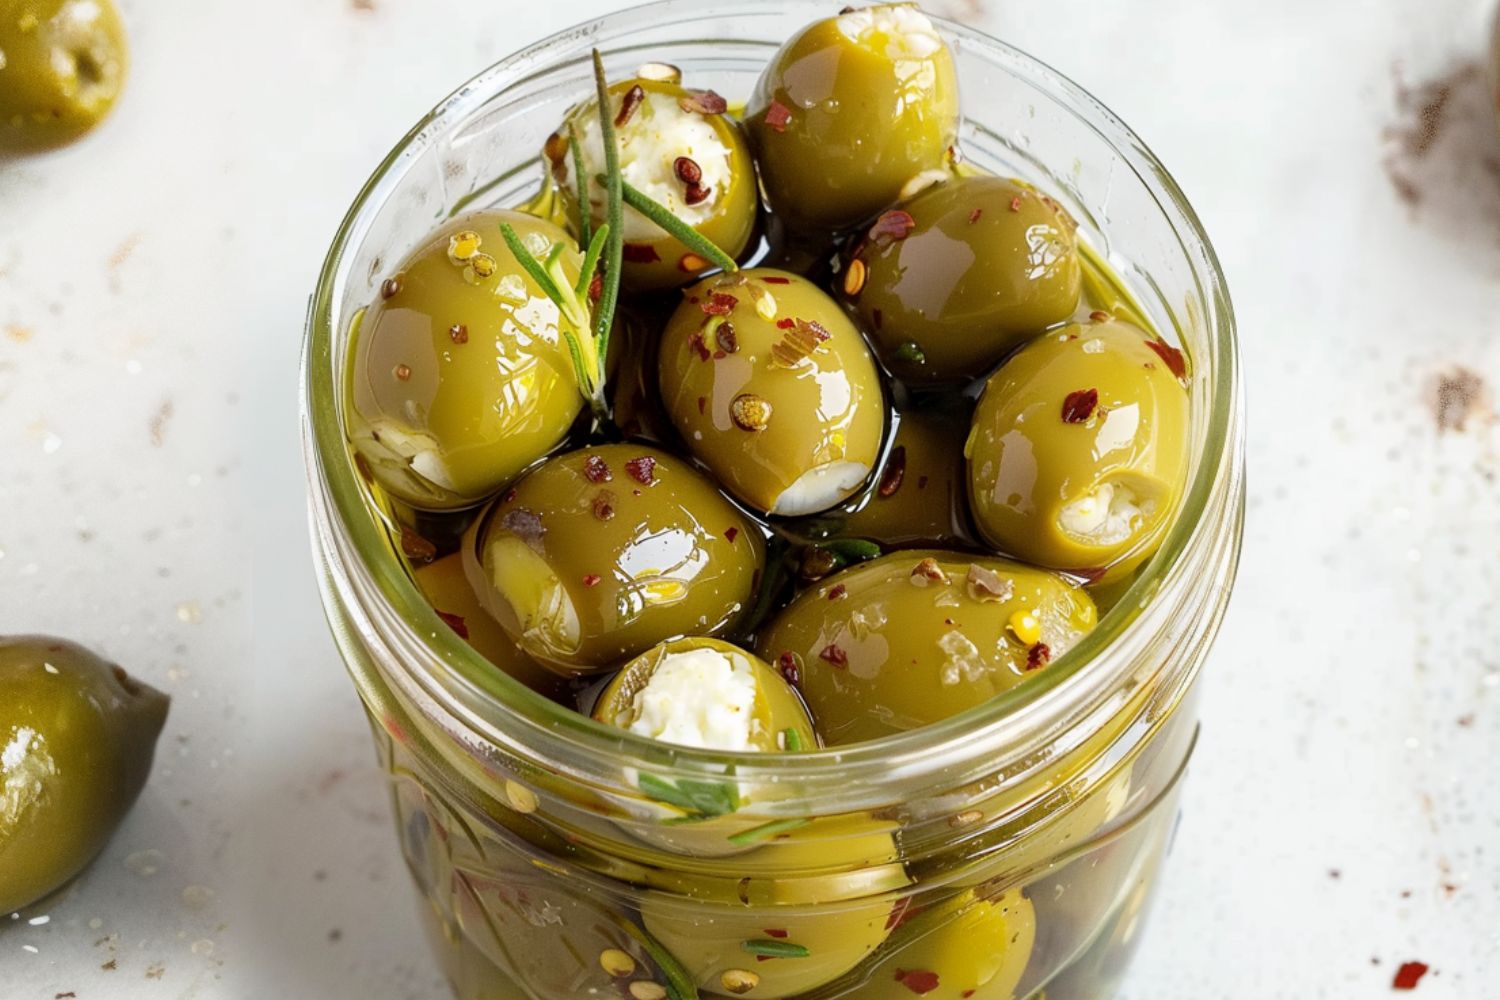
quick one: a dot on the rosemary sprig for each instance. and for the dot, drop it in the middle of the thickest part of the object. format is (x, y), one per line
(690, 237)
(585, 207)
(766, 948)
(765, 831)
(680, 985)
(614, 251)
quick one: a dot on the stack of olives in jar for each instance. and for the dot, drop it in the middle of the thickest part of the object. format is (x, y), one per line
(773, 427)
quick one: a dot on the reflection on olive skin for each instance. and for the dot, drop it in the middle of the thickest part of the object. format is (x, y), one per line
(601, 553)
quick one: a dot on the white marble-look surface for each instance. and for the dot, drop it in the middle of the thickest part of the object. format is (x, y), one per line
(1343, 814)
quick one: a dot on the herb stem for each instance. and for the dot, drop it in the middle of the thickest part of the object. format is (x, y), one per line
(686, 234)
(585, 207)
(614, 251)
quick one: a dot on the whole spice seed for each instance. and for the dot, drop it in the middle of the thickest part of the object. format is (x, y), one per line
(893, 473)
(691, 263)
(390, 286)
(838, 592)
(455, 622)
(592, 579)
(803, 338)
(644, 990)
(632, 100)
(687, 170)
(483, 264)
(834, 653)
(750, 412)
(726, 338)
(1079, 405)
(789, 665)
(415, 547)
(703, 102)
(458, 333)
(463, 245)
(696, 194)
(1100, 316)
(739, 981)
(817, 562)
(642, 470)
(854, 278)
(1038, 656)
(928, 571)
(778, 116)
(604, 505)
(617, 963)
(403, 372)
(596, 470)
(892, 226)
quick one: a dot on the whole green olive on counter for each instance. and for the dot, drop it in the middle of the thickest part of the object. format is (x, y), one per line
(705, 692)
(971, 948)
(851, 114)
(957, 277)
(917, 636)
(62, 65)
(460, 377)
(599, 554)
(920, 488)
(77, 735)
(1079, 452)
(773, 389)
(680, 148)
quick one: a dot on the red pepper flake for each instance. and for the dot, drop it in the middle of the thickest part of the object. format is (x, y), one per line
(1171, 355)
(903, 911)
(696, 194)
(604, 505)
(778, 116)
(458, 333)
(687, 170)
(838, 592)
(974, 215)
(919, 981)
(1015, 204)
(731, 533)
(785, 323)
(592, 580)
(897, 224)
(776, 279)
(703, 102)
(1079, 405)
(632, 100)
(921, 482)
(700, 345)
(642, 470)
(878, 318)
(789, 665)
(596, 287)
(719, 304)
(640, 253)
(403, 372)
(455, 622)
(834, 653)
(778, 933)
(895, 472)
(1100, 316)
(415, 547)
(1409, 975)
(702, 404)
(1038, 656)
(596, 470)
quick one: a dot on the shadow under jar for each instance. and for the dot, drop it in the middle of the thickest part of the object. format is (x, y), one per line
(1009, 851)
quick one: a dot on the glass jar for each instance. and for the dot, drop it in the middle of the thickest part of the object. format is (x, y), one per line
(1009, 851)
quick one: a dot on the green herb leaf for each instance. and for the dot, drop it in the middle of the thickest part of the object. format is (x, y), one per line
(791, 739)
(766, 831)
(686, 234)
(701, 798)
(680, 985)
(775, 949)
(614, 252)
(591, 261)
(585, 209)
(852, 550)
(532, 266)
(909, 351)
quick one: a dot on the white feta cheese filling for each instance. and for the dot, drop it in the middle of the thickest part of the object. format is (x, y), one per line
(698, 698)
(820, 488)
(899, 30)
(1107, 515)
(658, 132)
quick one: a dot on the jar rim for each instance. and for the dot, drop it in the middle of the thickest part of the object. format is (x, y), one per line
(469, 687)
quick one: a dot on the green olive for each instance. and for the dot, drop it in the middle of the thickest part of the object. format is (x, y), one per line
(961, 275)
(919, 497)
(971, 948)
(460, 378)
(915, 637)
(602, 553)
(694, 163)
(1079, 452)
(811, 893)
(851, 113)
(658, 693)
(62, 64)
(447, 587)
(76, 739)
(774, 390)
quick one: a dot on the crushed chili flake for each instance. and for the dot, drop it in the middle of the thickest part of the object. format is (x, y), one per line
(700, 345)
(838, 592)
(604, 505)
(897, 224)
(1015, 204)
(1409, 975)
(731, 533)
(632, 100)
(1100, 316)
(458, 333)
(1171, 355)
(640, 253)
(415, 547)
(778, 116)
(726, 338)
(403, 372)
(596, 287)
(702, 404)
(1079, 405)
(596, 470)
(834, 653)
(592, 580)
(455, 622)
(779, 933)
(642, 470)
(817, 563)
(974, 215)
(1038, 656)
(785, 323)
(919, 981)
(776, 279)
(894, 473)
(804, 337)
(921, 482)
(703, 102)
(719, 304)
(789, 665)
(696, 194)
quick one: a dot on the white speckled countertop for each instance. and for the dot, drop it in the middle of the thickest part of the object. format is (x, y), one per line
(1343, 814)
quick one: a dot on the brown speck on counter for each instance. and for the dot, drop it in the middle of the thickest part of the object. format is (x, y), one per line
(158, 425)
(363, 6)
(967, 11)
(1457, 396)
(20, 334)
(335, 936)
(156, 971)
(1441, 147)
(119, 257)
